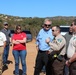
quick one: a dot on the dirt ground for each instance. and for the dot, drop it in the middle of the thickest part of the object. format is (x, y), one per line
(30, 60)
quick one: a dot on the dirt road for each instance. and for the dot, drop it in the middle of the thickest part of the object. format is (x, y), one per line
(31, 55)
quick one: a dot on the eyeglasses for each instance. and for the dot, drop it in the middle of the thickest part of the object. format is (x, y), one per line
(71, 25)
(53, 30)
(18, 28)
(6, 25)
(47, 25)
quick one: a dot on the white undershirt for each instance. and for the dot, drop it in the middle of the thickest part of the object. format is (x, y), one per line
(2, 38)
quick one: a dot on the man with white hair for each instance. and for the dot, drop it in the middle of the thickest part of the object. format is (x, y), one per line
(42, 46)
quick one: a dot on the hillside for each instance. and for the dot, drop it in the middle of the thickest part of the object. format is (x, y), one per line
(33, 23)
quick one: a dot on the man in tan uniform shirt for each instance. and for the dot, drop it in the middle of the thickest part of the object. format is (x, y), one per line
(71, 52)
(57, 52)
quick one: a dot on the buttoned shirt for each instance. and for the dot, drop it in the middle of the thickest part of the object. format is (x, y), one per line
(58, 45)
(68, 36)
(72, 46)
(42, 36)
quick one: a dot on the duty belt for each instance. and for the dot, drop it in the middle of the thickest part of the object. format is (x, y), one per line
(59, 57)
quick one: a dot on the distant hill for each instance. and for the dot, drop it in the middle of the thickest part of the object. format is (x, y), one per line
(17, 18)
(33, 24)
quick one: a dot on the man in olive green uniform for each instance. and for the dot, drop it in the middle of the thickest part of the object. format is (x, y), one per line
(57, 52)
(71, 52)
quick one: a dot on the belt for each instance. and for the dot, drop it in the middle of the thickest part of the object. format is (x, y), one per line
(43, 51)
(58, 57)
(1, 46)
(55, 55)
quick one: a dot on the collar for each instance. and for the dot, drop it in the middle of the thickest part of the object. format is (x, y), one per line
(58, 36)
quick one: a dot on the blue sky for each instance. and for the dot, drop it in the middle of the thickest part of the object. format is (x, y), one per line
(38, 8)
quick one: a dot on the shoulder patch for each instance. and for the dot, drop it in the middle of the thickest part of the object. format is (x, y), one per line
(59, 40)
(74, 38)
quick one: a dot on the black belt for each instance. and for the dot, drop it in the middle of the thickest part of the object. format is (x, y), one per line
(42, 51)
(1, 46)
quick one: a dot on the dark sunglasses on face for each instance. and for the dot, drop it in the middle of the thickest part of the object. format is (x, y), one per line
(18, 28)
(47, 25)
(6, 25)
(71, 25)
(53, 30)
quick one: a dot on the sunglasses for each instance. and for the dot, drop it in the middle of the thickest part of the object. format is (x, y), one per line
(53, 30)
(6, 25)
(18, 28)
(47, 25)
(71, 25)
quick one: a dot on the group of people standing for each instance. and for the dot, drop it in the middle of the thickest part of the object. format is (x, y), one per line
(52, 48)
(18, 48)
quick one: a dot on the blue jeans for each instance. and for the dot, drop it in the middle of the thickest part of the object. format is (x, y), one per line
(66, 70)
(5, 54)
(22, 55)
(43, 69)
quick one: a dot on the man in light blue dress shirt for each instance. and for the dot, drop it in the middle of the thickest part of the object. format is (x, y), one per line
(42, 47)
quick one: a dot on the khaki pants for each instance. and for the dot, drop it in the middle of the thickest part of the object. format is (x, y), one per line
(1, 57)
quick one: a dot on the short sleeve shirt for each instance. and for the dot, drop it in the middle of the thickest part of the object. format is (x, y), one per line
(20, 36)
(2, 38)
(8, 35)
(72, 47)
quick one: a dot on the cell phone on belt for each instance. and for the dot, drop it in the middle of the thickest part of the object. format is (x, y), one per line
(59, 57)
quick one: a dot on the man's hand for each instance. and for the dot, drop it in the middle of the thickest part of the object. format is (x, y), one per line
(47, 40)
(37, 48)
(49, 51)
(67, 63)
